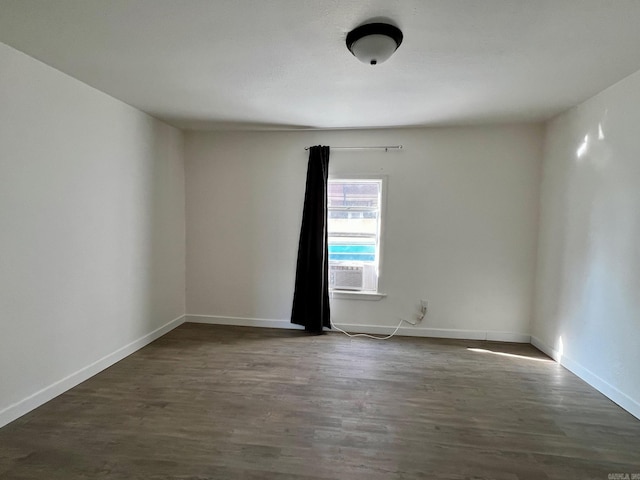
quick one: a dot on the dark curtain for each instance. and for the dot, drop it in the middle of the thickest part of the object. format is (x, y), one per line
(311, 295)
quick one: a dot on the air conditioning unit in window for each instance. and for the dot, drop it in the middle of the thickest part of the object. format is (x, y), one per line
(345, 277)
(352, 277)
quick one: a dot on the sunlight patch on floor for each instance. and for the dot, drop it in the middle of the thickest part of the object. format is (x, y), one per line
(512, 355)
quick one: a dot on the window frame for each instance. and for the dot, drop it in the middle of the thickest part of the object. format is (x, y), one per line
(367, 295)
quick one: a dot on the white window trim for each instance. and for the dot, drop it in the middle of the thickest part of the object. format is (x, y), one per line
(378, 295)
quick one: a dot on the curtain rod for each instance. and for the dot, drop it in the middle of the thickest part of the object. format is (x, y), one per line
(382, 147)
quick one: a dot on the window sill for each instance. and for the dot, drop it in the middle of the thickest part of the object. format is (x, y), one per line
(348, 295)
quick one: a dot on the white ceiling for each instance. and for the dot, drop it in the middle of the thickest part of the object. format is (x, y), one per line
(283, 63)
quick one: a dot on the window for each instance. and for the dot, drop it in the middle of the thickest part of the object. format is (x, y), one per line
(354, 216)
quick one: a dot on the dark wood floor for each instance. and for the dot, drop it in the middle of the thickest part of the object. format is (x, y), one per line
(213, 402)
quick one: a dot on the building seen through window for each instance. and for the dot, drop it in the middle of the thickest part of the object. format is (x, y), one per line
(354, 233)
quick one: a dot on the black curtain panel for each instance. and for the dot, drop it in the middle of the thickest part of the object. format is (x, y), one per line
(311, 295)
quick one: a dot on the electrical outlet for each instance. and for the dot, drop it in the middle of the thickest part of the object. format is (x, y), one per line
(423, 309)
(424, 306)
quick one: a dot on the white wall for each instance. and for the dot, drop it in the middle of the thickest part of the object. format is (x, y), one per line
(588, 286)
(461, 226)
(92, 231)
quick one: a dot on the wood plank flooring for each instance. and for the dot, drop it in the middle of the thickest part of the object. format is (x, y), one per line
(217, 402)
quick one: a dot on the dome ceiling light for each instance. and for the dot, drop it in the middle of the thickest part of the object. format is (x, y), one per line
(373, 43)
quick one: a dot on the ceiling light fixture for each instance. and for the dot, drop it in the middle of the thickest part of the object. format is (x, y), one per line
(374, 43)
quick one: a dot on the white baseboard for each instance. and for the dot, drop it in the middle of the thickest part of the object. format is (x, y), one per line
(371, 329)
(12, 412)
(608, 390)
(495, 336)
(242, 321)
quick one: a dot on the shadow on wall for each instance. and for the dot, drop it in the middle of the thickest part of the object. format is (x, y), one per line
(162, 235)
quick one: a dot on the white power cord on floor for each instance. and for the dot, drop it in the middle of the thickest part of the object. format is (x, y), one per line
(372, 336)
